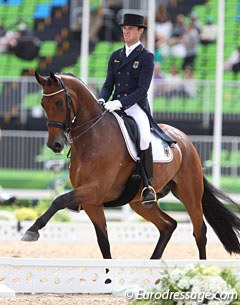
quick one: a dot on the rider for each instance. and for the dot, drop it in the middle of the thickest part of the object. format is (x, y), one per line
(130, 71)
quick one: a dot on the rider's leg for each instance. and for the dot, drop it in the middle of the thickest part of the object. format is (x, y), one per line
(148, 193)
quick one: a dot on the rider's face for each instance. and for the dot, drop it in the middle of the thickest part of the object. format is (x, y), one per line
(131, 34)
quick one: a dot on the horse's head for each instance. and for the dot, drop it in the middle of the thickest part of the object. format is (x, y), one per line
(59, 109)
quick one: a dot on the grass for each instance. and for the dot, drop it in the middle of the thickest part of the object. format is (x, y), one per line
(25, 179)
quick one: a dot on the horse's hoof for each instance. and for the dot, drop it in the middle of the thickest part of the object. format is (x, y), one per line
(30, 236)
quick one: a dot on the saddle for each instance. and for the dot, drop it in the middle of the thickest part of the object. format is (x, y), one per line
(132, 129)
(134, 182)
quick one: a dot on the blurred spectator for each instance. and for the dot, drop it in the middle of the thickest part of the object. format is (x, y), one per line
(163, 31)
(8, 39)
(115, 7)
(209, 32)
(177, 47)
(158, 54)
(158, 80)
(194, 22)
(233, 62)
(189, 86)
(178, 27)
(96, 21)
(22, 42)
(162, 46)
(173, 83)
(27, 45)
(191, 40)
(163, 26)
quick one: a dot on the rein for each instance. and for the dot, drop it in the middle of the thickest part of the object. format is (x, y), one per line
(95, 122)
(66, 126)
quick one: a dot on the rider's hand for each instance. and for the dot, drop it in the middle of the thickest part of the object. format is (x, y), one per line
(113, 105)
(101, 101)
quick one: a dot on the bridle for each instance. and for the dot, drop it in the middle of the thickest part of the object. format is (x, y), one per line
(66, 126)
(69, 105)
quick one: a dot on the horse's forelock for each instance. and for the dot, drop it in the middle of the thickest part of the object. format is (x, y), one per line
(49, 81)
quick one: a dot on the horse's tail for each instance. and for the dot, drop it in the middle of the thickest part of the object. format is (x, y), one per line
(225, 223)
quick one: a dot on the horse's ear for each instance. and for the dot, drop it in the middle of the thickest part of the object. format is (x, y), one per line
(53, 77)
(41, 80)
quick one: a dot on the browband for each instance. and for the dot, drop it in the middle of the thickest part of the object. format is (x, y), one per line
(50, 94)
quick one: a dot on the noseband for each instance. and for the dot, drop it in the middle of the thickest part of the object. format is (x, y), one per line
(67, 125)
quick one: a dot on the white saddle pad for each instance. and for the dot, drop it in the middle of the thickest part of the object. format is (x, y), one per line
(161, 153)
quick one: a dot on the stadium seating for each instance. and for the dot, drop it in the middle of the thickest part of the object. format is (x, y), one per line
(37, 15)
(206, 60)
(60, 51)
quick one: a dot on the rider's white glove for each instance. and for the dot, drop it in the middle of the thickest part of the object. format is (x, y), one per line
(101, 101)
(113, 105)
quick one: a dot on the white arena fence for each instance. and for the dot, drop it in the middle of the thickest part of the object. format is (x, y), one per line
(129, 232)
(20, 99)
(41, 275)
(90, 276)
(27, 150)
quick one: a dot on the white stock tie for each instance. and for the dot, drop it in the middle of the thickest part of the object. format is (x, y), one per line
(128, 52)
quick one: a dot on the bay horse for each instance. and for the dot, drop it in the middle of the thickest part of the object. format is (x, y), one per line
(100, 166)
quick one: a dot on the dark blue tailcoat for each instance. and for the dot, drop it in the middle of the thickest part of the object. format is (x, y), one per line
(128, 80)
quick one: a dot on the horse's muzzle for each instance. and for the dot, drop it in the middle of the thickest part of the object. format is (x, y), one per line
(56, 146)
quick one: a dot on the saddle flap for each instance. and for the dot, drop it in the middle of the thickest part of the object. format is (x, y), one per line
(161, 151)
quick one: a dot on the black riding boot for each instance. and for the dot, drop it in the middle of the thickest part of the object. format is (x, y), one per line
(148, 193)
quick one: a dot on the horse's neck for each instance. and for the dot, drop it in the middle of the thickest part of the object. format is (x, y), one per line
(88, 107)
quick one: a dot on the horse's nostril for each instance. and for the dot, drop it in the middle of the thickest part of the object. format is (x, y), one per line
(56, 146)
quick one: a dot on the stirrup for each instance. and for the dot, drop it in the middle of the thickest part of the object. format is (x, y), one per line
(150, 198)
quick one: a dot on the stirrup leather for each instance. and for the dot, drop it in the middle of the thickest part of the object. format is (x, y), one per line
(153, 191)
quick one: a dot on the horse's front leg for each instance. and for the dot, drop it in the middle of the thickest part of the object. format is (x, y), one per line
(59, 203)
(97, 216)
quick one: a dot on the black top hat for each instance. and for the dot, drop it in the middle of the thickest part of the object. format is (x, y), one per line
(133, 19)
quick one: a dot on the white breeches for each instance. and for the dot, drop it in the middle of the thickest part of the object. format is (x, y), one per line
(143, 124)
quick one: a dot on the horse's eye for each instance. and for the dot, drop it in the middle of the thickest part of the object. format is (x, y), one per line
(60, 104)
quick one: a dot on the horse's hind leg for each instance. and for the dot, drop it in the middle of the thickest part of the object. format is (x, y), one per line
(164, 223)
(191, 196)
